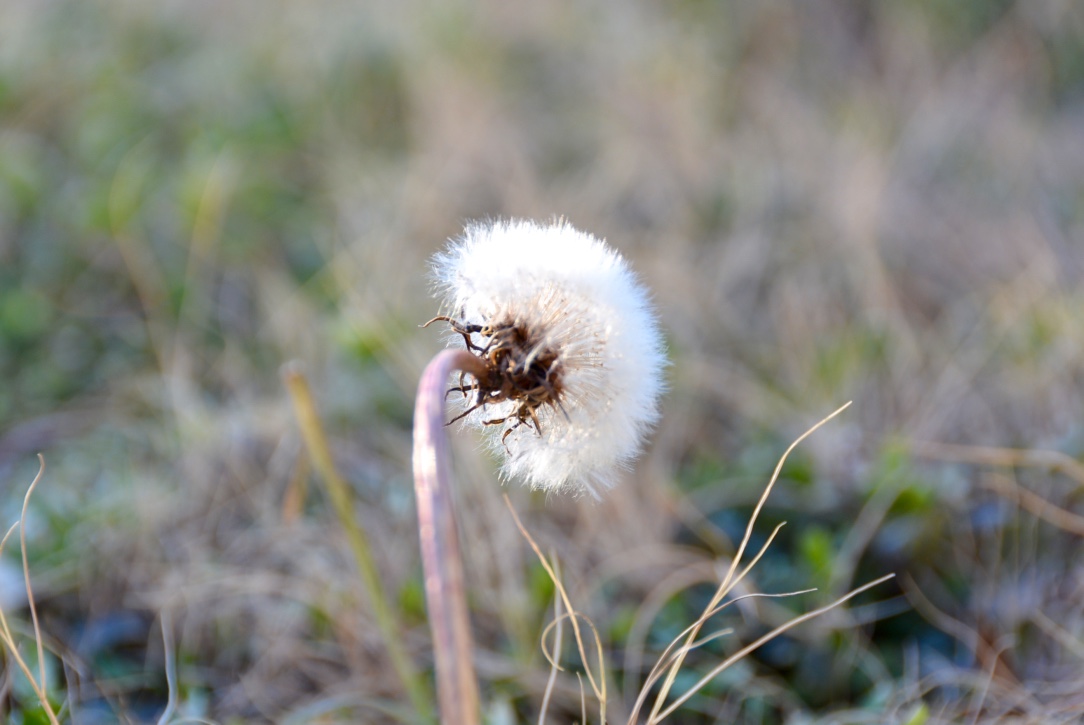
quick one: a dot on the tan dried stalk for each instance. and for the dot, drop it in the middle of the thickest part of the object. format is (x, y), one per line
(729, 580)
(40, 686)
(445, 595)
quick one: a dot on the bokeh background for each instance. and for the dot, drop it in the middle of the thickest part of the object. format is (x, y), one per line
(832, 201)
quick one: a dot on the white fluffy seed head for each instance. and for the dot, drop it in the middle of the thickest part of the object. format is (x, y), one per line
(581, 325)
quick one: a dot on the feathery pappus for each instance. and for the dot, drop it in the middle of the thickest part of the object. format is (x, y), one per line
(572, 348)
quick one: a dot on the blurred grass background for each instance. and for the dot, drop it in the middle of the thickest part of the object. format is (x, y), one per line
(844, 200)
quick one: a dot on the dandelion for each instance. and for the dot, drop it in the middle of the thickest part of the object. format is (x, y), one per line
(560, 351)
(570, 347)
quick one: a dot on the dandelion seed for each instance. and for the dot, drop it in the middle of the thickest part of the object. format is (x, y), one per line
(571, 347)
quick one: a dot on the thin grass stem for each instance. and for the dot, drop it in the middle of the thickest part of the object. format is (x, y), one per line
(727, 583)
(40, 688)
(169, 654)
(678, 702)
(320, 453)
(554, 660)
(671, 655)
(573, 615)
(26, 573)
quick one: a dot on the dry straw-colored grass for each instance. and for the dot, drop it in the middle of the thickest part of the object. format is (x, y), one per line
(12, 647)
(671, 659)
(877, 202)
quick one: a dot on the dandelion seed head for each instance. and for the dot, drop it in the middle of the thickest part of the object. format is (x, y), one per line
(573, 347)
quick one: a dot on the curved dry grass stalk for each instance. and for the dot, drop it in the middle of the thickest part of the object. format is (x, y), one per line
(597, 686)
(666, 660)
(40, 686)
(649, 609)
(766, 638)
(1009, 488)
(673, 655)
(670, 661)
(169, 654)
(1010, 457)
(554, 657)
(965, 634)
(728, 582)
(1065, 638)
(558, 620)
(26, 573)
(583, 700)
(670, 655)
(980, 696)
(1035, 504)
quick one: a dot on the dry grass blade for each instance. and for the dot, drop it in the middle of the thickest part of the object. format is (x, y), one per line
(980, 696)
(573, 616)
(669, 655)
(553, 657)
(750, 566)
(1011, 457)
(762, 640)
(551, 681)
(26, 574)
(1059, 634)
(583, 700)
(986, 651)
(966, 635)
(723, 632)
(728, 581)
(5, 629)
(648, 611)
(710, 638)
(40, 687)
(1015, 458)
(169, 654)
(1036, 504)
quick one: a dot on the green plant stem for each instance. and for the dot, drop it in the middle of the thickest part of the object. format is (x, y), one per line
(320, 454)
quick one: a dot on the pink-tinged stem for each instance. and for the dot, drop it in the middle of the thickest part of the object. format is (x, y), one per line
(457, 685)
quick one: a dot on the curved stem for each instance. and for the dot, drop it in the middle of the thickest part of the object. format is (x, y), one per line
(457, 685)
